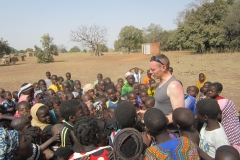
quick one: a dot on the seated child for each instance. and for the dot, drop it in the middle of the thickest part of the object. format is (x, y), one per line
(192, 91)
(8, 105)
(132, 98)
(56, 86)
(149, 103)
(86, 130)
(112, 98)
(214, 91)
(62, 153)
(166, 147)
(204, 92)
(212, 132)
(70, 111)
(68, 76)
(226, 153)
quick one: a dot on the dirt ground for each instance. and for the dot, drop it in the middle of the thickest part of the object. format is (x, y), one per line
(223, 68)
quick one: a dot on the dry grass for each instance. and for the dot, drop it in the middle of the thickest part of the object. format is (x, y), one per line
(223, 68)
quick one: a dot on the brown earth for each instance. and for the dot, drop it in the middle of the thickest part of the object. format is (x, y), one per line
(223, 68)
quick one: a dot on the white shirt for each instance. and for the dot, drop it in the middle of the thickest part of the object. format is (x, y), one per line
(137, 77)
(211, 140)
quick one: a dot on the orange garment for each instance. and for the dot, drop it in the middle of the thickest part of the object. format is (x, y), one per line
(146, 80)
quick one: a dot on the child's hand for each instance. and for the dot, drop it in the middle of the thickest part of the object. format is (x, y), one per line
(147, 140)
(56, 137)
(10, 109)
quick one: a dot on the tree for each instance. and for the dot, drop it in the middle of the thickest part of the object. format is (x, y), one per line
(84, 50)
(4, 47)
(13, 50)
(152, 33)
(49, 50)
(75, 49)
(62, 49)
(21, 51)
(130, 39)
(102, 48)
(90, 36)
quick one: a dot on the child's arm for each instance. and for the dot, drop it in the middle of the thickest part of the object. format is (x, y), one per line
(131, 69)
(203, 155)
(7, 117)
(141, 70)
(54, 138)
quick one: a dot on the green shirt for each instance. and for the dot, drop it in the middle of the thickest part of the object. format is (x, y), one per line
(126, 88)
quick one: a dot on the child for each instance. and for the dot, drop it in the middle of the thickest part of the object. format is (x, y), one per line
(89, 89)
(108, 81)
(190, 103)
(86, 98)
(36, 87)
(48, 79)
(62, 153)
(183, 118)
(212, 132)
(214, 91)
(118, 95)
(99, 77)
(60, 80)
(227, 153)
(120, 81)
(8, 104)
(77, 85)
(66, 86)
(101, 87)
(135, 87)
(147, 78)
(56, 129)
(42, 84)
(21, 124)
(142, 95)
(137, 74)
(38, 96)
(56, 86)
(1, 95)
(192, 91)
(128, 86)
(15, 97)
(118, 88)
(149, 103)
(86, 130)
(132, 98)
(68, 76)
(201, 80)
(112, 98)
(49, 93)
(70, 111)
(204, 92)
(166, 147)
(151, 89)
(23, 109)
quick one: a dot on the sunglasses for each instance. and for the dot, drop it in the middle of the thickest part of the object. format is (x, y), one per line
(154, 58)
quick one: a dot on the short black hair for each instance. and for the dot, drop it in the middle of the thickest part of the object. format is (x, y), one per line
(85, 130)
(63, 152)
(183, 117)
(48, 72)
(155, 121)
(35, 83)
(143, 91)
(33, 134)
(218, 86)
(68, 108)
(48, 103)
(150, 98)
(194, 87)
(125, 114)
(24, 103)
(41, 80)
(209, 83)
(54, 76)
(110, 86)
(68, 73)
(41, 108)
(60, 78)
(5, 123)
(131, 93)
(227, 152)
(208, 107)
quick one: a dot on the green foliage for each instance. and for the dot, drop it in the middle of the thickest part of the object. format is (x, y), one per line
(84, 50)
(49, 50)
(21, 51)
(4, 47)
(102, 48)
(75, 49)
(130, 39)
(152, 33)
(13, 50)
(28, 49)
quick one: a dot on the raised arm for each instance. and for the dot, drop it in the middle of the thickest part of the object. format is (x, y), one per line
(131, 69)
(141, 70)
(176, 94)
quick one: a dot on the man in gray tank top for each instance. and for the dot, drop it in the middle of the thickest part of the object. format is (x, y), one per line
(169, 94)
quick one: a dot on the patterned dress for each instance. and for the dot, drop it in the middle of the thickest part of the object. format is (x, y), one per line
(177, 149)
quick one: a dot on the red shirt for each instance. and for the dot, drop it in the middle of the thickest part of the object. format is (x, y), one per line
(219, 97)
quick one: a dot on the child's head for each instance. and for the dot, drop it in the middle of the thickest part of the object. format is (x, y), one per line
(183, 118)
(36, 87)
(125, 114)
(86, 98)
(68, 76)
(101, 85)
(39, 96)
(130, 78)
(205, 87)
(99, 76)
(135, 87)
(49, 93)
(86, 111)
(214, 90)
(66, 86)
(118, 87)
(118, 95)
(132, 97)
(56, 102)
(111, 92)
(62, 153)
(120, 81)
(142, 87)
(48, 74)
(8, 96)
(71, 110)
(207, 109)
(92, 111)
(6, 123)
(60, 80)
(149, 102)
(77, 84)
(2, 92)
(170, 70)
(201, 77)
(54, 79)
(111, 110)
(143, 95)
(34, 135)
(42, 85)
(155, 121)
(226, 153)
(136, 70)
(15, 95)
(107, 81)
(21, 124)
(192, 91)
(43, 114)
(149, 74)
(86, 130)
(151, 81)
(56, 129)
(89, 89)
(24, 108)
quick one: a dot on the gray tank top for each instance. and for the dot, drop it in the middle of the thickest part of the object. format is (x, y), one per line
(162, 101)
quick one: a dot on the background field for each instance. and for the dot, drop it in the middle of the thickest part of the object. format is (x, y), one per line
(224, 68)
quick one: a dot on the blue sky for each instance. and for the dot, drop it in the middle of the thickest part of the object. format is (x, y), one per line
(23, 22)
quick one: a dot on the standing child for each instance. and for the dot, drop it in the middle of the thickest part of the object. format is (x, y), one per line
(201, 80)
(48, 79)
(8, 104)
(42, 84)
(99, 77)
(101, 87)
(55, 84)
(212, 133)
(137, 74)
(68, 76)
(112, 98)
(147, 78)
(128, 86)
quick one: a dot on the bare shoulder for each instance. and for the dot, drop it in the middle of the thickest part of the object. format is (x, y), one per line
(174, 85)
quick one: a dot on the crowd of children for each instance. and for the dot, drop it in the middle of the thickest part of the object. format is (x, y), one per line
(59, 119)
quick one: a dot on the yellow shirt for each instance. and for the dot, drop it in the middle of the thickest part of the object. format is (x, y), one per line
(55, 88)
(151, 92)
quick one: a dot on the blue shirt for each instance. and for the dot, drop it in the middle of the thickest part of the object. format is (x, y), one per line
(190, 103)
(7, 106)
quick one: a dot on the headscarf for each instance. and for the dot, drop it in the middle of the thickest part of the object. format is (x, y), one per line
(97, 106)
(87, 87)
(128, 74)
(24, 88)
(9, 142)
(75, 94)
(200, 84)
(36, 152)
(35, 121)
(35, 100)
